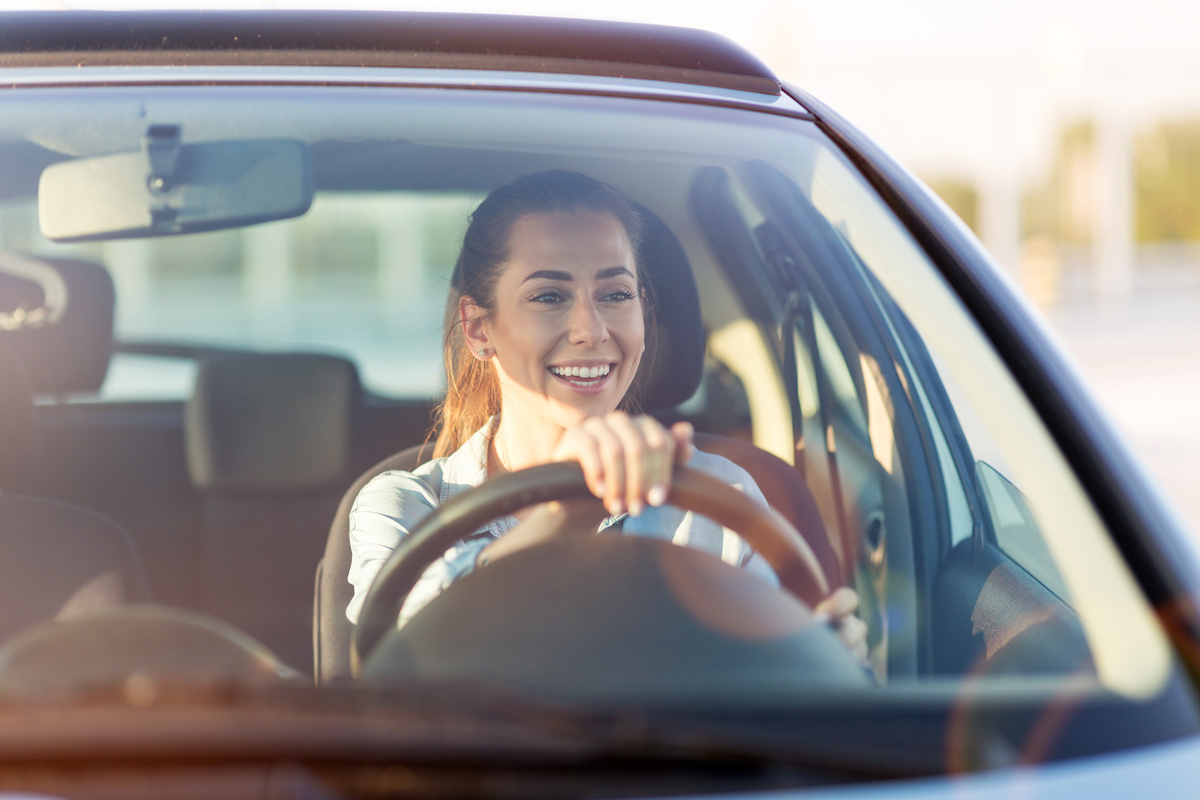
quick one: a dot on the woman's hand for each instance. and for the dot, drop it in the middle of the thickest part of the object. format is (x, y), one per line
(627, 461)
(837, 610)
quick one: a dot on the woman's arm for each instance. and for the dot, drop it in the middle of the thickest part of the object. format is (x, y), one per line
(386, 509)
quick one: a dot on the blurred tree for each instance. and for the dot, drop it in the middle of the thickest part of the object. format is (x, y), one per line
(445, 222)
(1062, 206)
(1167, 183)
(335, 238)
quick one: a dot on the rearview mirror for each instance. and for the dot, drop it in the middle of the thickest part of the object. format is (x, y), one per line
(172, 188)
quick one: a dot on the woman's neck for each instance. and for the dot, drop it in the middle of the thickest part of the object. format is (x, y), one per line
(517, 444)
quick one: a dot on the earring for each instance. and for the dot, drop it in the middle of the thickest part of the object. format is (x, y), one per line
(483, 353)
(643, 347)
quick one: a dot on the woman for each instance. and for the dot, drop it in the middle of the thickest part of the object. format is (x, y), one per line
(542, 349)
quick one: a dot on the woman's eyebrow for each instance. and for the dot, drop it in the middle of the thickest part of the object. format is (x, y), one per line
(555, 275)
(548, 274)
(612, 272)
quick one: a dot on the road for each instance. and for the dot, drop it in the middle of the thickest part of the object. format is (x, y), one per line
(1142, 358)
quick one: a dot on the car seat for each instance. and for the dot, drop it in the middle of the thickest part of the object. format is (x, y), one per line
(671, 371)
(57, 559)
(69, 352)
(268, 439)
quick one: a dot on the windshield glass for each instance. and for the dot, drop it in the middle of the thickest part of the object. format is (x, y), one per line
(256, 371)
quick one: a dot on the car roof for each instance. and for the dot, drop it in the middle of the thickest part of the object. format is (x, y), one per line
(383, 39)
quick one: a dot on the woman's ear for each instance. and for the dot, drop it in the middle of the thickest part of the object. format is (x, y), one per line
(473, 328)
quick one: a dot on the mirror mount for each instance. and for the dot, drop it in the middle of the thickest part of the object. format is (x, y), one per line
(161, 144)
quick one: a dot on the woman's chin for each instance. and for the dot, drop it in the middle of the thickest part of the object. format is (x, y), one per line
(566, 406)
(574, 415)
(573, 410)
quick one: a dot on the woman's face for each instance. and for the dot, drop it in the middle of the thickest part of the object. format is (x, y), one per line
(567, 329)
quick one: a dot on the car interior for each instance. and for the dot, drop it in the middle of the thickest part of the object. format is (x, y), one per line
(780, 335)
(260, 454)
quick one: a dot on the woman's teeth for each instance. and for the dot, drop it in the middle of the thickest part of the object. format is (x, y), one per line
(580, 372)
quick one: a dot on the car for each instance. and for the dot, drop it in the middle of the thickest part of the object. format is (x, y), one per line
(226, 244)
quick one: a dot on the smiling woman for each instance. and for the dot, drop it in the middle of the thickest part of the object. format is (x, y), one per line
(552, 320)
(581, 306)
(510, 228)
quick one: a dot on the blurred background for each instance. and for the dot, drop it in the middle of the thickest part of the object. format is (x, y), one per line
(1065, 133)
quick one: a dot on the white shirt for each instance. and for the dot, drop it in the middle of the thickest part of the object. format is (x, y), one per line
(394, 502)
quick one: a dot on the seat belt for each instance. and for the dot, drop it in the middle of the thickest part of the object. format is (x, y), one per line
(799, 312)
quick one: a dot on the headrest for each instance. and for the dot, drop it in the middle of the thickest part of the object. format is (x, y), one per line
(271, 421)
(70, 352)
(674, 360)
(18, 431)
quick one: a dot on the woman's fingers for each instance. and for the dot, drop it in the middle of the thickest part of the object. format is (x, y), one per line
(853, 633)
(583, 446)
(644, 459)
(631, 459)
(580, 446)
(839, 603)
(609, 452)
(627, 461)
(654, 454)
(683, 433)
(838, 611)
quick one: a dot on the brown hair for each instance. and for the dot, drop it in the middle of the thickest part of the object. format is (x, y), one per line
(472, 389)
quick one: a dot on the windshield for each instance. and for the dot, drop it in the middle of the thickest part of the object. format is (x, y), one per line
(249, 374)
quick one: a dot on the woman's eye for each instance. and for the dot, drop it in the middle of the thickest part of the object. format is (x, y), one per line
(620, 296)
(547, 297)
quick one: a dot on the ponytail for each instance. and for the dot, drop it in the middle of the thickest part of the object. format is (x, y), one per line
(472, 389)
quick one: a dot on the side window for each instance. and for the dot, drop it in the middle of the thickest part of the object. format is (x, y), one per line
(962, 521)
(1017, 532)
(1012, 522)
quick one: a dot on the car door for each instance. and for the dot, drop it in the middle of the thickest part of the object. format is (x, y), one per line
(950, 567)
(828, 354)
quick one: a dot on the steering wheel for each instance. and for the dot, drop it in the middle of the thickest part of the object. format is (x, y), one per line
(764, 529)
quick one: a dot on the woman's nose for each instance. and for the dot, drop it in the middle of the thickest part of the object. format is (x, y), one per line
(587, 325)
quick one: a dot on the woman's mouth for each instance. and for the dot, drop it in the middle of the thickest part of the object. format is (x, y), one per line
(583, 376)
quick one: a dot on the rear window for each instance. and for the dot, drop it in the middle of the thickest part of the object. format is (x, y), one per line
(361, 274)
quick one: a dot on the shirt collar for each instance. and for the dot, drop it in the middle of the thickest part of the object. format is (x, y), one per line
(466, 467)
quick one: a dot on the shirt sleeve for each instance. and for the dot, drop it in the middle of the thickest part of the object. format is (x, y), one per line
(690, 529)
(384, 512)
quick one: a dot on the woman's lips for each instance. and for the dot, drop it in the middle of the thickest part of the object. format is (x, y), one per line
(584, 379)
